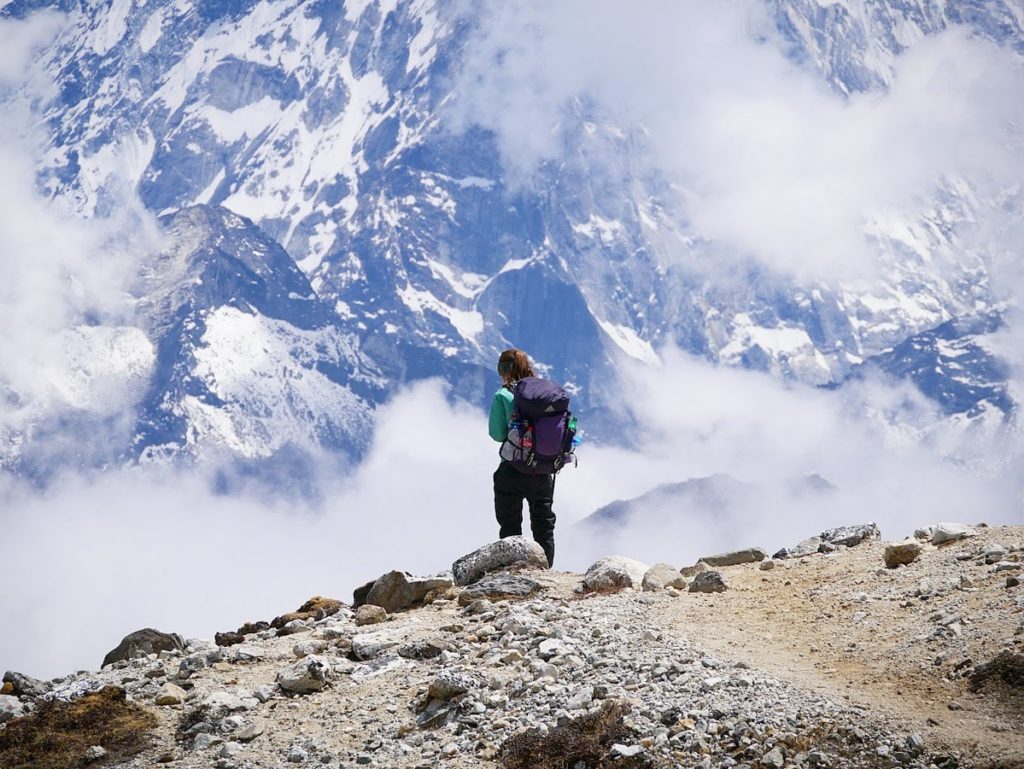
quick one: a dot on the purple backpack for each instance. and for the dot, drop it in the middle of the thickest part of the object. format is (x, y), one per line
(540, 435)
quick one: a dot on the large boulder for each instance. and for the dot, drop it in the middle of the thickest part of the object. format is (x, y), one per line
(708, 582)
(497, 556)
(614, 572)
(736, 557)
(142, 643)
(952, 532)
(662, 575)
(500, 587)
(398, 590)
(902, 553)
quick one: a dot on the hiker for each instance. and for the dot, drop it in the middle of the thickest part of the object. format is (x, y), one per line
(511, 484)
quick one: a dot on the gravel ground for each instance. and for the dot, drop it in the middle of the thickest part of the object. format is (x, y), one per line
(823, 661)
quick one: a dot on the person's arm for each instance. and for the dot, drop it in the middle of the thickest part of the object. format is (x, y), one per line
(497, 424)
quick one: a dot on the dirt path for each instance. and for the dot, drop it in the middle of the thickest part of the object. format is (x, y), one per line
(845, 626)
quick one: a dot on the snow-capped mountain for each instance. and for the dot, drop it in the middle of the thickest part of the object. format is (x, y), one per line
(332, 237)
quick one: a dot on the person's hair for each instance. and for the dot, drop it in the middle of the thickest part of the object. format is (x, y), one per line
(513, 365)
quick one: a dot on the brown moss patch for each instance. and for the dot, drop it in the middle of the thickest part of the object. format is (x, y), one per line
(57, 734)
(586, 739)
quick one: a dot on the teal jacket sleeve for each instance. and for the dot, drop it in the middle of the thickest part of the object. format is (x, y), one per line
(501, 412)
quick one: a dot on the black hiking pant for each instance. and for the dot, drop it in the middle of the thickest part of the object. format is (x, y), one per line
(511, 487)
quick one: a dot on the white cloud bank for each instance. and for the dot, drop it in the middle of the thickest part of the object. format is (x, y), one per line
(766, 157)
(87, 562)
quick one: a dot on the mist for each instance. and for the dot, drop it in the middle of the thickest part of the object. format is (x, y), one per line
(764, 155)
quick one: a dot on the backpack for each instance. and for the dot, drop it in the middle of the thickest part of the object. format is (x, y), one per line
(542, 433)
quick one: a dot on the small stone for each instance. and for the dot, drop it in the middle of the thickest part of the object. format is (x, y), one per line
(1012, 581)
(204, 740)
(902, 553)
(697, 568)
(297, 755)
(708, 582)
(250, 733)
(626, 751)
(304, 677)
(95, 753)
(613, 573)
(308, 647)
(449, 684)
(230, 750)
(263, 693)
(423, 650)
(773, 758)
(661, 576)
(768, 564)
(370, 614)
(580, 699)
(170, 694)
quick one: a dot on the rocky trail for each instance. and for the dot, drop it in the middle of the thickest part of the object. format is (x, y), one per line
(820, 657)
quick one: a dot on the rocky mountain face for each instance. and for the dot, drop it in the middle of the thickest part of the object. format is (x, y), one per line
(334, 236)
(850, 653)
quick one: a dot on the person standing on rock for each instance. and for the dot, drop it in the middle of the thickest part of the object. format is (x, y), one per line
(511, 484)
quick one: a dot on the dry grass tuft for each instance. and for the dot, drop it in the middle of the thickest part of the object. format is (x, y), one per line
(57, 734)
(583, 741)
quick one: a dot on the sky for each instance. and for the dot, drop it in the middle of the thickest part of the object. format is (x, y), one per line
(753, 144)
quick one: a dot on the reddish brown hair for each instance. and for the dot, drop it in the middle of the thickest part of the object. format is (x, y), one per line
(513, 365)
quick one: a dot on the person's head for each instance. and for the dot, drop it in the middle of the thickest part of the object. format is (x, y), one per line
(513, 365)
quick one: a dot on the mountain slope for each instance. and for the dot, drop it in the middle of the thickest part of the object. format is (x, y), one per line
(326, 126)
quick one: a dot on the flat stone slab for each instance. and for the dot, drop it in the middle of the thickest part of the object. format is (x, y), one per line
(498, 587)
(952, 532)
(736, 557)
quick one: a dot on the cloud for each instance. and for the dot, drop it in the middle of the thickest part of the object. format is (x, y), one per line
(65, 306)
(152, 546)
(765, 156)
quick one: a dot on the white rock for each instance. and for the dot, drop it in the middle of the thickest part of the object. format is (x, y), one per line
(10, 707)
(614, 572)
(499, 555)
(951, 532)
